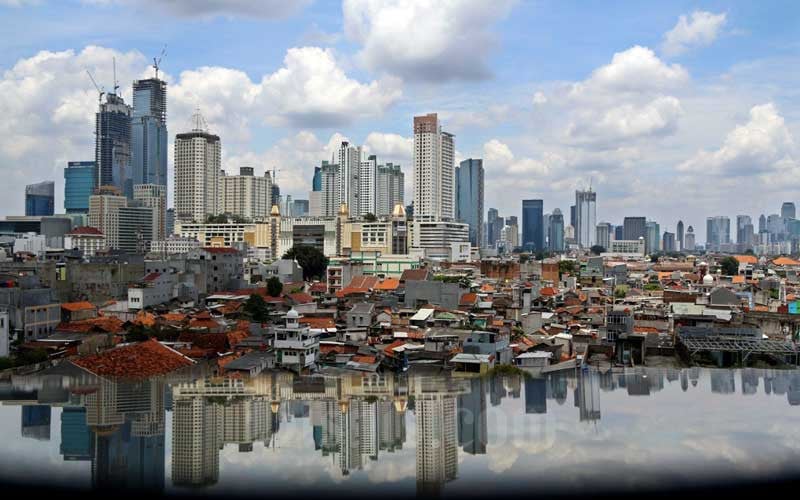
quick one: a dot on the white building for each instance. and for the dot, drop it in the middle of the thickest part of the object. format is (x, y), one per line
(390, 187)
(153, 289)
(88, 240)
(104, 208)
(215, 235)
(173, 245)
(626, 248)
(349, 161)
(433, 158)
(198, 157)
(367, 184)
(435, 239)
(246, 195)
(154, 196)
(330, 196)
(585, 217)
(296, 347)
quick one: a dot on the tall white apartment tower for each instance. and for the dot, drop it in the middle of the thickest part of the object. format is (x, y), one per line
(330, 180)
(246, 195)
(586, 217)
(349, 160)
(433, 159)
(154, 196)
(367, 185)
(198, 158)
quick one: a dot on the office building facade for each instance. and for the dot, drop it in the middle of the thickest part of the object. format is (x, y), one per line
(113, 145)
(532, 230)
(198, 155)
(585, 217)
(149, 132)
(79, 183)
(433, 156)
(469, 197)
(40, 198)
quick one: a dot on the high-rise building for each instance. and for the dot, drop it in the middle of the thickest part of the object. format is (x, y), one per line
(349, 161)
(689, 237)
(788, 210)
(330, 188)
(112, 155)
(390, 189)
(619, 232)
(433, 156)
(149, 132)
(573, 215)
(316, 181)
(79, 182)
(652, 238)
(491, 219)
(532, 230)
(634, 228)
(743, 222)
(198, 156)
(40, 198)
(555, 231)
(154, 197)
(300, 208)
(603, 235)
(469, 197)
(718, 232)
(762, 223)
(135, 228)
(679, 236)
(246, 195)
(367, 185)
(104, 207)
(668, 242)
(585, 217)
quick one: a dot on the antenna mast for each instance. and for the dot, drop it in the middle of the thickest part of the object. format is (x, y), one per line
(114, 62)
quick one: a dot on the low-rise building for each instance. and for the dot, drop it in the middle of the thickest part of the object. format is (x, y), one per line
(296, 346)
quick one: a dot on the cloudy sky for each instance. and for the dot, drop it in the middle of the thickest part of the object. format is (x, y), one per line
(675, 110)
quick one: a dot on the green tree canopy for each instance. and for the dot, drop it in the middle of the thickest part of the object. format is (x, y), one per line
(566, 266)
(729, 266)
(370, 217)
(597, 249)
(274, 286)
(256, 308)
(310, 259)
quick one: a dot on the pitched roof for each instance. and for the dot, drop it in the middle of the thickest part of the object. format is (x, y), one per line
(420, 274)
(785, 261)
(746, 259)
(77, 306)
(137, 361)
(300, 298)
(108, 324)
(85, 230)
(548, 291)
(388, 284)
(468, 299)
(221, 250)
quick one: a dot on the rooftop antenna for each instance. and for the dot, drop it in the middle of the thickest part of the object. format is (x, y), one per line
(157, 61)
(198, 122)
(114, 62)
(100, 90)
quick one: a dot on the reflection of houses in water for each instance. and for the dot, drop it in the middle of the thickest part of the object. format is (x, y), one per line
(472, 419)
(36, 422)
(749, 378)
(76, 439)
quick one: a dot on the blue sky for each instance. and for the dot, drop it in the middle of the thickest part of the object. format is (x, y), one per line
(699, 122)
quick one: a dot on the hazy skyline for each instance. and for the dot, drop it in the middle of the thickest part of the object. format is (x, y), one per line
(675, 111)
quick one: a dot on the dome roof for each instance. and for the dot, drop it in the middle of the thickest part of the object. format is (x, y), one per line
(399, 210)
(708, 279)
(275, 210)
(292, 314)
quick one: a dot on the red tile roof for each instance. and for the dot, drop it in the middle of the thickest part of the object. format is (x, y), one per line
(388, 284)
(317, 322)
(151, 277)
(548, 291)
(77, 306)
(137, 361)
(300, 298)
(468, 299)
(86, 230)
(318, 288)
(108, 324)
(221, 250)
(420, 274)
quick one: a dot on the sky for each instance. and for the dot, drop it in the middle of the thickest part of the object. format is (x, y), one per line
(670, 110)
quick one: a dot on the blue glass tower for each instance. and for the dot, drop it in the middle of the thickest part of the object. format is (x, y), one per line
(316, 182)
(149, 132)
(113, 144)
(79, 183)
(469, 197)
(532, 225)
(40, 198)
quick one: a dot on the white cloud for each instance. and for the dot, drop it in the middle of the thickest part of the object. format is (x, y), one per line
(761, 145)
(425, 40)
(628, 121)
(390, 147)
(207, 9)
(636, 69)
(539, 98)
(701, 30)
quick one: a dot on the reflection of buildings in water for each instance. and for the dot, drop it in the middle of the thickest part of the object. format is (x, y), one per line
(655, 378)
(684, 380)
(391, 426)
(607, 381)
(472, 418)
(535, 395)
(722, 382)
(587, 395)
(749, 379)
(793, 393)
(496, 391)
(35, 422)
(76, 439)
(436, 429)
(357, 434)
(694, 375)
(672, 374)
(636, 382)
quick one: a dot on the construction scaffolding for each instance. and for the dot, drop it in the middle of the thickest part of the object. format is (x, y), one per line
(744, 346)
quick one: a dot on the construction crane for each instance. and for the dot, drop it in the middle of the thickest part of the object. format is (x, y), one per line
(275, 175)
(157, 61)
(100, 91)
(116, 87)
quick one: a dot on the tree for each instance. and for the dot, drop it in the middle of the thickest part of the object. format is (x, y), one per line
(257, 308)
(620, 292)
(310, 259)
(274, 286)
(370, 217)
(729, 266)
(597, 249)
(566, 266)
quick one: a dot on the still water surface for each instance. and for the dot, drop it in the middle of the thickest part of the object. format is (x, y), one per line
(644, 428)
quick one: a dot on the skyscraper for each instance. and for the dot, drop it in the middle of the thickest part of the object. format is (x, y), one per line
(40, 198)
(330, 181)
(555, 231)
(149, 132)
(79, 183)
(668, 242)
(349, 160)
(104, 207)
(634, 228)
(112, 155)
(744, 224)
(491, 236)
(433, 156)
(718, 232)
(585, 217)
(652, 237)
(469, 197)
(367, 185)
(689, 243)
(532, 230)
(246, 195)
(603, 234)
(198, 156)
(679, 236)
(788, 210)
(154, 197)
(390, 189)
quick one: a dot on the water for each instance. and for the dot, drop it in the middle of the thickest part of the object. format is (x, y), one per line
(576, 432)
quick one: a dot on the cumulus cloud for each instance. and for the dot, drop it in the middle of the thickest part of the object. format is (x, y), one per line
(699, 31)
(539, 98)
(761, 145)
(427, 40)
(262, 9)
(634, 70)
(498, 154)
(628, 121)
(390, 147)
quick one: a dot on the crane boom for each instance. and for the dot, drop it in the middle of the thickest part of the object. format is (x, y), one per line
(100, 91)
